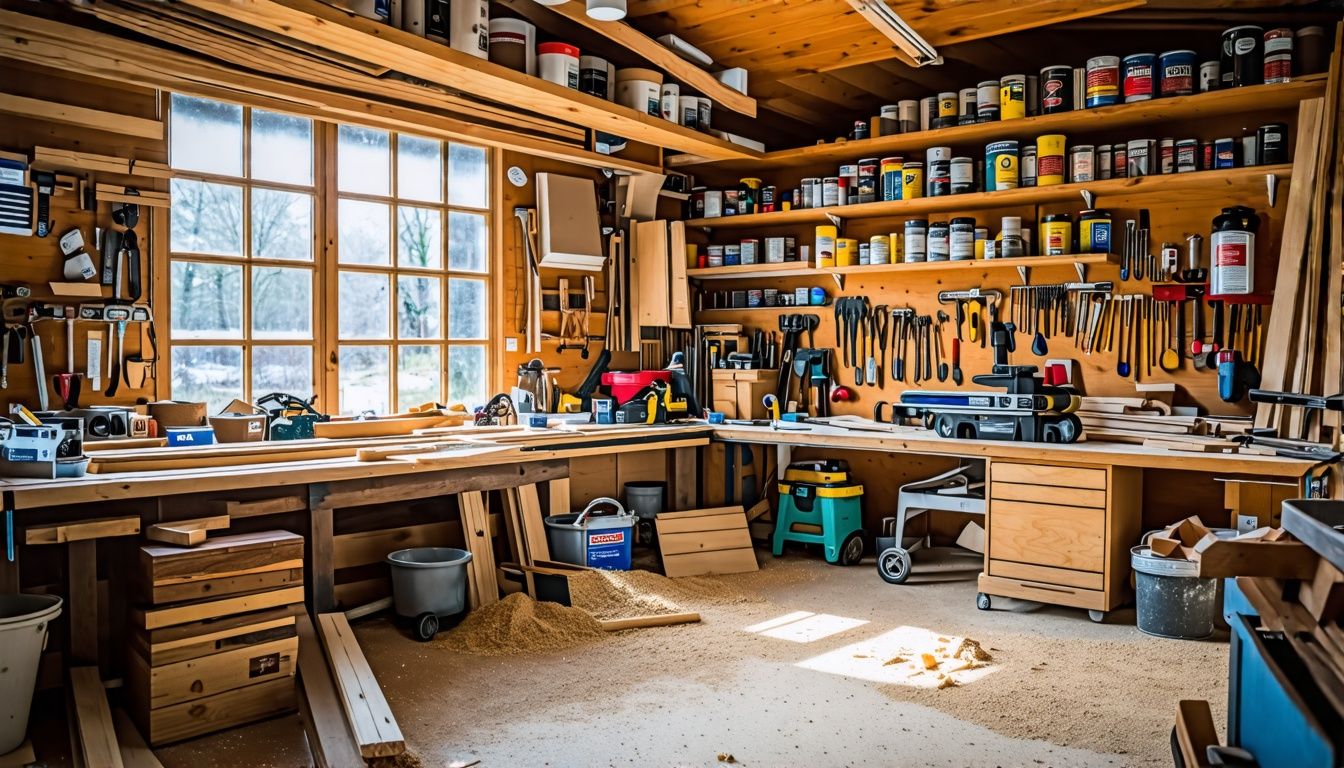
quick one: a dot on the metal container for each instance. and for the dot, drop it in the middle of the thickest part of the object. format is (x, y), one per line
(1082, 163)
(890, 170)
(593, 540)
(429, 580)
(1050, 159)
(1140, 157)
(987, 101)
(939, 247)
(1137, 77)
(962, 175)
(1172, 600)
(1001, 165)
(1103, 81)
(1056, 89)
(916, 241)
(1176, 73)
(1242, 56)
(1278, 66)
(1271, 144)
(1012, 97)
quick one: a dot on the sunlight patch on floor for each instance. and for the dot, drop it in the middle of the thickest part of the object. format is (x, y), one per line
(907, 655)
(804, 627)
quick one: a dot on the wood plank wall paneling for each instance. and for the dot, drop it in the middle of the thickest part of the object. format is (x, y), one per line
(36, 261)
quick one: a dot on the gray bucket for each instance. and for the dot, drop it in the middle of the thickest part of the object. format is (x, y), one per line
(595, 541)
(646, 498)
(1172, 600)
(429, 580)
(23, 635)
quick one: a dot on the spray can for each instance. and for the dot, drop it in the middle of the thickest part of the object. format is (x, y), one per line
(1232, 251)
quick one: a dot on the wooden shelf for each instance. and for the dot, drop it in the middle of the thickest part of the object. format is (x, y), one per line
(786, 269)
(793, 308)
(749, 271)
(1249, 100)
(316, 23)
(1222, 183)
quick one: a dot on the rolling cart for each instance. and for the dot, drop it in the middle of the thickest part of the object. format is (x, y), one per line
(958, 490)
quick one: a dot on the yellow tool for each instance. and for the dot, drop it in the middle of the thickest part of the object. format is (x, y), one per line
(771, 404)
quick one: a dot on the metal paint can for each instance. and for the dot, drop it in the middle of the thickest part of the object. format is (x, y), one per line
(981, 238)
(966, 106)
(860, 131)
(1140, 157)
(912, 180)
(1027, 167)
(1103, 81)
(830, 191)
(1082, 163)
(1094, 231)
(805, 189)
(713, 203)
(1224, 153)
(1166, 156)
(891, 177)
(897, 247)
(732, 255)
(768, 198)
(800, 296)
(1001, 166)
(928, 112)
(1187, 156)
(938, 171)
(846, 252)
(889, 120)
(1249, 149)
(1242, 61)
(704, 109)
(1210, 76)
(1138, 77)
(1056, 234)
(947, 110)
(939, 249)
(916, 240)
(730, 201)
(1056, 89)
(769, 297)
(774, 250)
(987, 101)
(714, 255)
(750, 250)
(867, 187)
(755, 297)
(825, 245)
(1278, 55)
(865, 255)
(908, 111)
(1176, 73)
(961, 239)
(963, 175)
(879, 249)
(1012, 97)
(1104, 161)
(1119, 161)
(1271, 144)
(1206, 155)
(1049, 159)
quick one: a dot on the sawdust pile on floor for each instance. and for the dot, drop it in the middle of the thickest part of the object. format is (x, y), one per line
(942, 660)
(622, 594)
(518, 624)
(404, 760)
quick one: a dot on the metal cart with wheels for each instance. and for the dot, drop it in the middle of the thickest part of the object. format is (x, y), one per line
(958, 490)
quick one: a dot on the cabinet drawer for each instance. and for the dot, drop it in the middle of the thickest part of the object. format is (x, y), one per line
(1047, 534)
(1045, 575)
(1048, 494)
(1045, 474)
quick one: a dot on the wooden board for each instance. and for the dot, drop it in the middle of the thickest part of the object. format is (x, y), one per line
(260, 507)
(1049, 494)
(186, 533)
(96, 734)
(135, 753)
(329, 738)
(82, 530)
(192, 612)
(1270, 559)
(354, 549)
(273, 577)
(68, 114)
(1043, 474)
(476, 531)
(698, 542)
(215, 713)
(1195, 732)
(1045, 534)
(185, 634)
(370, 718)
(263, 631)
(222, 554)
(192, 679)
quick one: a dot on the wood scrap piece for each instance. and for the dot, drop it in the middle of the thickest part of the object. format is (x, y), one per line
(698, 542)
(366, 710)
(476, 531)
(1323, 593)
(186, 533)
(655, 620)
(329, 737)
(534, 523)
(191, 612)
(82, 530)
(1195, 731)
(513, 526)
(1225, 558)
(95, 733)
(259, 507)
(135, 753)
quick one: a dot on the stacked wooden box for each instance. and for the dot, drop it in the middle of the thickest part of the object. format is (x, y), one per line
(213, 643)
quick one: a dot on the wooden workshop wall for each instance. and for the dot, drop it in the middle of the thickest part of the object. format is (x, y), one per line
(37, 261)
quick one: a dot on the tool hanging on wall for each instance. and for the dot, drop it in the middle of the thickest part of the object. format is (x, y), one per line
(68, 384)
(531, 304)
(45, 181)
(975, 309)
(127, 283)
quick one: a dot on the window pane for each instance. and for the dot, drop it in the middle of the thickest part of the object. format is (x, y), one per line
(364, 379)
(205, 136)
(281, 369)
(418, 375)
(363, 232)
(419, 237)
(419, 169)
(282, 148)
(466, 309)
(207, 301)
(466, 176)
(418, 307)
(282, 225)
(206, 218)
(466, 241)
(282, 303)
(363, 306)
(466, 375)
(211, 374)
(364, 161)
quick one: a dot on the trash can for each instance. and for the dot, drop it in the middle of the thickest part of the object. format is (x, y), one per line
(594, 540)
(429, 582)
(645, 498)
(23, 634)
(1172, 600)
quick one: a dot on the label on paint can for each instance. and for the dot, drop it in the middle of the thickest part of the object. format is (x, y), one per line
(1187, 156)
(987, 101)
(1140, 155)
(1230, 263)
(1012, 97)
(1056, 89)
(1094, 232)
(1056, 235)
(1049, 159)
(1224, 153)
(1001, 166)
(1166, 154)
(1138, 77)
(940, 178)
(912, 180)
(963, 175)
(1082, 163)
(1177, 73)
(1103, 81)
(891, 178)
(825, 246)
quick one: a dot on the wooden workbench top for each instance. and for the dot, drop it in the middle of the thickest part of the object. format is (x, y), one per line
(915, 440)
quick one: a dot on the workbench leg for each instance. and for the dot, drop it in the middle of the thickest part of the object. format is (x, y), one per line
(685, 474)
(557, 496)
(82, 593)
(321, 575)
(783, 455)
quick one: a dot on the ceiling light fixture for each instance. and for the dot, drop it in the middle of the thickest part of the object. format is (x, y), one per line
(606, 10)
(550, 2)
(895, 29)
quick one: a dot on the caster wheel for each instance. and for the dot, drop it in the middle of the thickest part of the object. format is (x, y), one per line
(982, 601)
(426, 627)
(851, 551)
(1177, 759)
(1098, 617)
(893, 565)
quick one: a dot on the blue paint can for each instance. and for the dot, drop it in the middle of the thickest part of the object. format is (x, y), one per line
(1137, 74)
(1001, 169)
(1224, 153)
(1176, 73)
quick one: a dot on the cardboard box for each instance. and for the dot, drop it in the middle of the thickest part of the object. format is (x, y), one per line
(239, 427)
(177, 413)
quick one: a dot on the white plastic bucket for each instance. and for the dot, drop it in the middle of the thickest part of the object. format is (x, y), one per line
(23, 635)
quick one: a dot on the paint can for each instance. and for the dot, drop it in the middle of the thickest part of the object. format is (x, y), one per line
(1119, 161)
(732, 255)
(860, 130)
(1271, 144)
(670, 101)
(928, 112)
(1187, 156)
(730, 200)
(1249, 149)
(751, 250)
(704, 108)
(1224, 153)
(768, 201)
(1049, 159)
(1210, 76)
(1001, 166)
(830, 191)
(916, 241)
(912, 180)
(1082, 163)
(1176, 73)
(1012, 97)
(1103, 81)
(1056, 234)
(816, 296)
(947, 110)
(981, 239)
(879, 249)
(1242, 61)
(755, 297)
(593, 76)
(908, 112)
(961, 239)
(889, 120)
(714, 255)
(1027, 167)
(1056, 89)
(968, 100)
(962, 175)
(891, 177)
(1104, 161)
(867, 187)
(1311, 52)
(713, 203)
(939, 249)
(1140, 157)
(1206, 155)
(559, 64)
(688, 111)
(1010, 238)
(1278, 55)
(512, 45)
(1094, 231)
(987, 101)
(938, 171)
(825, 245)
(846, 252)
(865, 254)
(1166, 154)
(774, 250)
(1232, 251)
(1137, 77)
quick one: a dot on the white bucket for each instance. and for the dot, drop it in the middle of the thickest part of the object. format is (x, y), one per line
(23, 635)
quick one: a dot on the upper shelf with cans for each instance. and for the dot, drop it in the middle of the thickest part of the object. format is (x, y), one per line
(1210, 106)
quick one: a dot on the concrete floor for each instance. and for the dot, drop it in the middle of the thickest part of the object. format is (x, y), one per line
(1060, 691)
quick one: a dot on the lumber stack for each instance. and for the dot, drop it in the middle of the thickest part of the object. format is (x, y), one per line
(213, 642)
